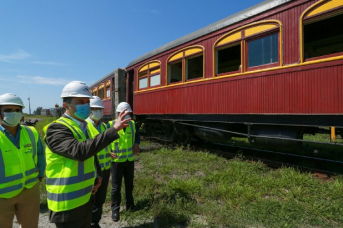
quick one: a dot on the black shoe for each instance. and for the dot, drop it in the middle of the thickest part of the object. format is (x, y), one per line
(95, 226)
(115, 216)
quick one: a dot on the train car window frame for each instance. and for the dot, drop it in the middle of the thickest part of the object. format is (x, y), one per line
(143, 77)
(101, 91)
(321, 14)
(242, 36)
(108, 89)
(226, 47)
(261, 37)
(183, 57)
(194, 73)
(176, 81)
(145, 72)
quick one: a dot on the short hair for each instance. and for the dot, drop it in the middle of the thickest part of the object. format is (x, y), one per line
(67, 100)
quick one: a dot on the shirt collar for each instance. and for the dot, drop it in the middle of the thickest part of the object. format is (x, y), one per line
(7, 132)
(90, 120)
(82, 124)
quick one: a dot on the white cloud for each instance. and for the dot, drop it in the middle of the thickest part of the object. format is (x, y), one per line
(41, 80)
(49, 63)
(18, 55)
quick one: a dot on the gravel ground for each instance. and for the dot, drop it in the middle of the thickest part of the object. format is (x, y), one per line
(106, 222)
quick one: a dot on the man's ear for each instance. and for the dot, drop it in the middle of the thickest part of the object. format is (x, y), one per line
(65, 105)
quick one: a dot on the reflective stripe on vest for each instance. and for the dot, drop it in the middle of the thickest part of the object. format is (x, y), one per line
(13, 189)
(70, 195)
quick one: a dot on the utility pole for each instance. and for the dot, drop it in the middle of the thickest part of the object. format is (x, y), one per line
(29, 106)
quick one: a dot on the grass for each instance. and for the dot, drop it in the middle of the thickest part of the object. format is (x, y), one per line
(181, 188)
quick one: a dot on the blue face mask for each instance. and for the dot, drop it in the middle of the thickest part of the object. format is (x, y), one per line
(82, 111)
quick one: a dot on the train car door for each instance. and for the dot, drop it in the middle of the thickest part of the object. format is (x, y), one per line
(130, 87)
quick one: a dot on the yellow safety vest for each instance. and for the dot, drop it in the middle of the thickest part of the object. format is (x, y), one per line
(69, 183)
(18, 167)
(123, 146)
(104, 156)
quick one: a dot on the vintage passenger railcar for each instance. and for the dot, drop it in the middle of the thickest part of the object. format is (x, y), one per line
(275, 69)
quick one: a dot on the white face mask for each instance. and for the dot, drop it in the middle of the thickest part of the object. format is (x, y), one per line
(97, 114)
(12, 119)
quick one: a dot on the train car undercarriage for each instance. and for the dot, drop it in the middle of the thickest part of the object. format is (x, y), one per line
(276, 131)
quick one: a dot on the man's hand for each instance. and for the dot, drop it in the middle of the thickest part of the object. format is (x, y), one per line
(135, 149)
(97, 185)
(121, 122)
(113, 155)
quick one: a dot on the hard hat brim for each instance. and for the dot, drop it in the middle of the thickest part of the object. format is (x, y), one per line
(14, 104)
(85, 96)
(96, 106)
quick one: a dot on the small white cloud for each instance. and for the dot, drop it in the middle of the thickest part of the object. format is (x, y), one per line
(42, 80)
(18, 55)
(49, 63)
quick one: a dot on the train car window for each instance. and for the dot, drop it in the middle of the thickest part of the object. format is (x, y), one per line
(263, 51)
(323, 37)
(175, 72)
(101, 93)
(143, 80)
(108, 91)
(155, 80)
(149, 75)
(229, 59)
(143, 83)
(194, 67)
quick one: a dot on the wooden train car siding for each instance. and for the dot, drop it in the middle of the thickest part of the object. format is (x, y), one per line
(309, 90)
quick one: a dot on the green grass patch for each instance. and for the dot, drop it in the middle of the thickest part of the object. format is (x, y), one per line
(181, 188)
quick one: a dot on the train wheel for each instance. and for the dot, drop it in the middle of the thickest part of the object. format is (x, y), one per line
(182, 135)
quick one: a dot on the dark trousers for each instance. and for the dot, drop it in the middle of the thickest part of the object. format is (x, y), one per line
(120, 170)
(79, 217)
(100, 197)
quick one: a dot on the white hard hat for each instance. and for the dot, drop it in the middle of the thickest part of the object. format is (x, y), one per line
(96, 102)
(76, 89)
(11, 99)
(123, 105)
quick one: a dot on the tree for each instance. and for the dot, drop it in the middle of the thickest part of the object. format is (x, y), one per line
(38, 111)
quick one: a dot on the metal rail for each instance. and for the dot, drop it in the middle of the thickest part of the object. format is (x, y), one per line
(260, 136)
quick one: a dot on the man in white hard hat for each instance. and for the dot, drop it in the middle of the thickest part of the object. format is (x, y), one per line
(22, 163)
(73, 172)
(96, 126)
(123, 162)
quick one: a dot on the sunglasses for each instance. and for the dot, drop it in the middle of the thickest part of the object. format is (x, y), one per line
(11, 110)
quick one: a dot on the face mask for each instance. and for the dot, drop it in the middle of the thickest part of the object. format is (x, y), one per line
(127, 117)
(82, 111)
(12, 119)
(97, 114)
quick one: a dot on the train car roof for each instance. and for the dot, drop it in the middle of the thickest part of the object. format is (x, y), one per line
(242, 15)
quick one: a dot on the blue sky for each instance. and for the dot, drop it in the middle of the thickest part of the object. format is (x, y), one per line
(45, 44)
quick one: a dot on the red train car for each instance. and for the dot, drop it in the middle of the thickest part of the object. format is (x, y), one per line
(112, 90)
(273, 69)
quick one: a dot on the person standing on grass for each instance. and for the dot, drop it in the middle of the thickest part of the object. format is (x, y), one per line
(123, 163)
(22, 164)
(95, 125)
(72, 176)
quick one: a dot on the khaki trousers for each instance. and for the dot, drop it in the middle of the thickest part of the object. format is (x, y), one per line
(25, 206)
